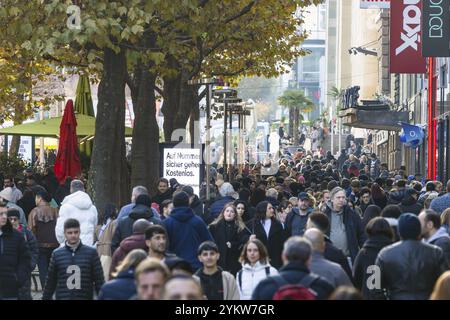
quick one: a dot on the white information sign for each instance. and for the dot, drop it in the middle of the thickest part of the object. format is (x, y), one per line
(25, 147)
(183, 165)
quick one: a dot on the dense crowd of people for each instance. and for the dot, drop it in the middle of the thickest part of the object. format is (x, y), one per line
(319, 228)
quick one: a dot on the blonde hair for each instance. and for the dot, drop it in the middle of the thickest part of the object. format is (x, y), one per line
(152, 265)
(445, 217)
(237, 218)
(442, 287)
(132, 260)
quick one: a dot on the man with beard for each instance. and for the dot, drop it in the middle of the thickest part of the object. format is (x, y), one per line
(297, 218)
(156, 241)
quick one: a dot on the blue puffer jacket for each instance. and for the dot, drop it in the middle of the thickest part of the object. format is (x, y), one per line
(120, 288)
(73, 275)
(186, 232)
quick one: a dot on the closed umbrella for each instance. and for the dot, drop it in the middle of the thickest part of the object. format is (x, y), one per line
(68, 158)
(84, 106)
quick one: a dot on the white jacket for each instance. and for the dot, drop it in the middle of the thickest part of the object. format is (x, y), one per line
(78, 206)
(251, 276)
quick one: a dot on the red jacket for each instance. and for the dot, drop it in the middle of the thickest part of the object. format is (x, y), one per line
(135, 241)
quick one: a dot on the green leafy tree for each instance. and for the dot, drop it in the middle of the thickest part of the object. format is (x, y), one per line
(297, 103)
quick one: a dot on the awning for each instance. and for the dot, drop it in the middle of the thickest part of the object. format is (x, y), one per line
(374, 119)
(50, 128)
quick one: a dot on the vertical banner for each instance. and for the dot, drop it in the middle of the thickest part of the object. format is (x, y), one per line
(406, 45)
(436, 28)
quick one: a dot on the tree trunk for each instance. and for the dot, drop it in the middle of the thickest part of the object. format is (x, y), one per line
(296, 123)
(145, 147)
(170, 105)
(291, 122)
(14, 147)
(109, 176)
(187, 102)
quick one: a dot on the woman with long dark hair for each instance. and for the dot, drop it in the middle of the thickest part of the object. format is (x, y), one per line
(230, 234)
(269, 230)
(243, 209)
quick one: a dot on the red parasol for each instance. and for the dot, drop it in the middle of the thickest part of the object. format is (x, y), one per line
(68, 158)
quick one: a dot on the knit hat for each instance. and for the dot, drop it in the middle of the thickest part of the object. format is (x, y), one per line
(7, 194)
(409, 226)
(180, 199)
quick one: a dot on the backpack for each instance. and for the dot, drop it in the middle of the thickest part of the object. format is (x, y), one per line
(299, 291)
(267, 269)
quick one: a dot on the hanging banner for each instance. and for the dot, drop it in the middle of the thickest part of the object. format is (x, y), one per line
(436, 28)
(374, 4)
(405, 38)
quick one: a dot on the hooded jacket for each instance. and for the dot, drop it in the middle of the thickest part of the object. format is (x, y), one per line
(135, 241)
(124, 228)
(366, 257)
(251, 276)
(78, 206)
(65, 265)
(442, 240)
(15, 262)
(186, 232)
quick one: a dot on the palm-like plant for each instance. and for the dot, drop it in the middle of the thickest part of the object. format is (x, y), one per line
(297, 103)
(337, 95)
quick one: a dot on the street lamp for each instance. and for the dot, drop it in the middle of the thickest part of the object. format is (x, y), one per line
(208, 83)
(227, 97)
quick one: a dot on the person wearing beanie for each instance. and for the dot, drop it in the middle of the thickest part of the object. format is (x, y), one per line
(141, 210)
(186, 231)
(409, 268)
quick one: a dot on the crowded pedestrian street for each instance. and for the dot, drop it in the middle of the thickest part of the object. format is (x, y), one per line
(250, 151)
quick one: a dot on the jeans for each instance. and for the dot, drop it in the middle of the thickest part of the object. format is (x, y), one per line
(43, 263)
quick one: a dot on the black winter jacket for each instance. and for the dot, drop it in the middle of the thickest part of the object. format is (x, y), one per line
(224, 232)
(293, 273)
(15, 261)
(275, 242)
(336, 255)
(366, 257)
(409, 269)
(74, 275)
(125, 226)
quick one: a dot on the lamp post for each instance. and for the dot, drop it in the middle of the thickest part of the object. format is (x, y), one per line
(208, 83)
(227, 97)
